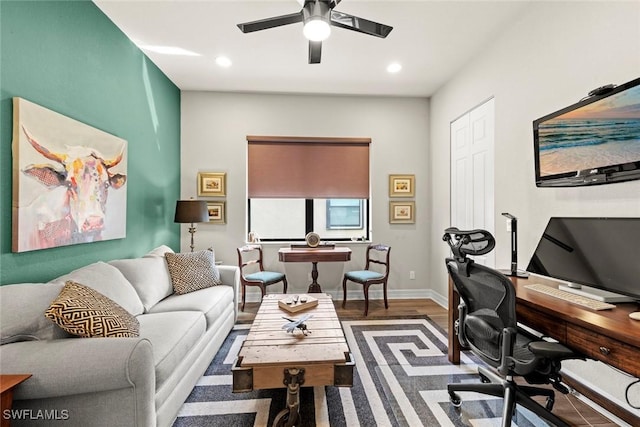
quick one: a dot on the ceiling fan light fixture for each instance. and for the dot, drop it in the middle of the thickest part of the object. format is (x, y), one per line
(316, 29)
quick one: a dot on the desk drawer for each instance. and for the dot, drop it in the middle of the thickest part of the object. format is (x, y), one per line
(541, 322)
(609, 350)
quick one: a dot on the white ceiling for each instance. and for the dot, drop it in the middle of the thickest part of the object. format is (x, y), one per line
(431, 39)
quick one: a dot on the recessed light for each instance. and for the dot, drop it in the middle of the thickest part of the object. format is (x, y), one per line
(223, 61)
(169, 50)
(394, 67)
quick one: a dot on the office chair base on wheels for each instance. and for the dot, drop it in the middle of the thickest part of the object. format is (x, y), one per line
(512, 393)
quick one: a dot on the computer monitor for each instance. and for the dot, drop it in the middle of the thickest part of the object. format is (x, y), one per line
(600, 253)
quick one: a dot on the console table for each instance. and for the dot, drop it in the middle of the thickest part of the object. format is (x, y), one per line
(609, 336)
(7, 384)
(314, 256)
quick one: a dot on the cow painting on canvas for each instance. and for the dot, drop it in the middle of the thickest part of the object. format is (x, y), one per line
(66, 185)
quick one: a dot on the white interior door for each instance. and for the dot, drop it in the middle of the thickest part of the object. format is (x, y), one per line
(472, 172)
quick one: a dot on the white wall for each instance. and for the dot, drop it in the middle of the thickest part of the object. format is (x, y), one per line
(550, 58)
(214, 130)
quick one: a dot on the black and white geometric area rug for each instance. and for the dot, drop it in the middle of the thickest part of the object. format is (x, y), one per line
(400, 379)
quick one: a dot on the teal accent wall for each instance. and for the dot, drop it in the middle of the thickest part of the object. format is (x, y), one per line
(69, 57)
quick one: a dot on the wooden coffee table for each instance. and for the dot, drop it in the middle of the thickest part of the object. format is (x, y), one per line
(272, 358)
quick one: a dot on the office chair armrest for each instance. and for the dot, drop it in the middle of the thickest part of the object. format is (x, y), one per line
(552, 350)
(460, 329)
(508, 341)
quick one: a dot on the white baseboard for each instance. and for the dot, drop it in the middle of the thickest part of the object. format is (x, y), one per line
(377, 295)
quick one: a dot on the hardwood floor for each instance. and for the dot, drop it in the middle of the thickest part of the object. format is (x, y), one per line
(568, 407)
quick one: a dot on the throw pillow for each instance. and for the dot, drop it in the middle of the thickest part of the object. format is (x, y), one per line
(81, 310)
(191, 271)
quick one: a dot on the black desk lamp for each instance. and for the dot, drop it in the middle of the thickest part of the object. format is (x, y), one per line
(191, 211)
(514, 249)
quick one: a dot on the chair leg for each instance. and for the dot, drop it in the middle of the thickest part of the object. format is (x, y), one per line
(344, 292)
(384, 290)
(491, 389)
(509, 404)
(285, 285)
(524, 400)
(243, 296)
(366, 299)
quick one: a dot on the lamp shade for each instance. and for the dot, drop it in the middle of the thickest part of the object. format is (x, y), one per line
(189, 211)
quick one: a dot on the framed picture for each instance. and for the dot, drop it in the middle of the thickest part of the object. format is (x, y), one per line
(402, 212)
(212, 184)
(401, 185)
(69, 181)
(216, 212)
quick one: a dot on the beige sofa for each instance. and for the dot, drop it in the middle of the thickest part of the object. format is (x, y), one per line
(139, 381)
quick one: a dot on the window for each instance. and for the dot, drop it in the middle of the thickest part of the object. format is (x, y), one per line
(301, 184)
(292, 219)
(344, 214)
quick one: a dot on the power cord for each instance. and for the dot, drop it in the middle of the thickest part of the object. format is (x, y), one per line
(576, 409)
(626, 391)
(626, 394)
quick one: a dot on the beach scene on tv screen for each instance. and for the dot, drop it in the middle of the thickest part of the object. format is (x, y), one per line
(604, 133)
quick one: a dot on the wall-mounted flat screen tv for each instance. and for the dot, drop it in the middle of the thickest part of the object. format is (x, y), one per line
(595, 141)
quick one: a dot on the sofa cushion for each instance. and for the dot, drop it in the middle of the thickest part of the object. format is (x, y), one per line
(159, 251)
(110, 282)
(173, 335)
(21, 308)
(210, 301)
(191, 271)
(83, 311)
(149, 276)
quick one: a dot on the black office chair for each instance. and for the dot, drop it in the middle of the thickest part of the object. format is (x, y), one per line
(487, 325)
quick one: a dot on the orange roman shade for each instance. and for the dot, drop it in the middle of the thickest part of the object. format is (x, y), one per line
(308, 167)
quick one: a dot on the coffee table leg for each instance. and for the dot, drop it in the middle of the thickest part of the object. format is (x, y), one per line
(314, 287)
(288, 417)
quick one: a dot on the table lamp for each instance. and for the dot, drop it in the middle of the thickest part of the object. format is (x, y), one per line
(191, 211)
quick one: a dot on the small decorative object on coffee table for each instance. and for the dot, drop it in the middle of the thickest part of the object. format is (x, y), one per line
(296, 303)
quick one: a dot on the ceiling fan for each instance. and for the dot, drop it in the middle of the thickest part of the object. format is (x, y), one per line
(318, 16)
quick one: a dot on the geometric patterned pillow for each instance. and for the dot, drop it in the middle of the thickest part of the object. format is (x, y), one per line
(191, 271)
(81, 310)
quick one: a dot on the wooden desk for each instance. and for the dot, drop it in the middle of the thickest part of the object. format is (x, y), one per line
(609, 336)
(314, 255)
(7, 384)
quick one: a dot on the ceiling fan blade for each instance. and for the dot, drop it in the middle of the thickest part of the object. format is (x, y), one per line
(315, 52)
(276, 21)
(361, 25)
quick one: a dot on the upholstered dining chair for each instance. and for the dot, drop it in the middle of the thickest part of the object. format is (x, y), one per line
(376, 254)
(251, 255)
